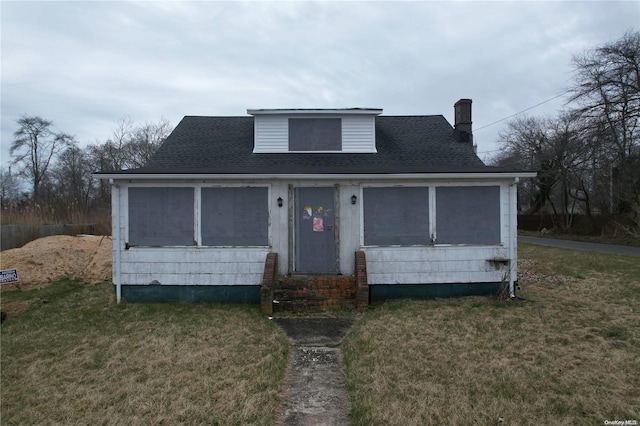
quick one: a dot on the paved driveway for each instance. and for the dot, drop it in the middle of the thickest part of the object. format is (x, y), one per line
(579, 245)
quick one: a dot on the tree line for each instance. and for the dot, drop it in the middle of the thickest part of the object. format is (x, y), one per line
(588, 156)
(50, 170)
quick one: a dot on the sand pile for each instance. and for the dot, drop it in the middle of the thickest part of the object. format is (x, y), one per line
(85, 257)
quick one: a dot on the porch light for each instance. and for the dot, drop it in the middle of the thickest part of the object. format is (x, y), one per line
(354, 199)
(279, 201)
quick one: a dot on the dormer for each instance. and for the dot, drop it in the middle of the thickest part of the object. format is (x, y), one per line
(351, 130)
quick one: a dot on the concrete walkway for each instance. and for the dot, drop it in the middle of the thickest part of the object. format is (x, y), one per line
(316, 393)
(579, 245)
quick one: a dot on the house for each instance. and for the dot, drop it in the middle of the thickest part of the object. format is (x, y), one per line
(408, 194)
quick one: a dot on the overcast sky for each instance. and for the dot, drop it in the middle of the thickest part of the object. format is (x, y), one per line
(85, 65)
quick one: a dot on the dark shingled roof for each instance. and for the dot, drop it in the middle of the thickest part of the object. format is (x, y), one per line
(224, 145)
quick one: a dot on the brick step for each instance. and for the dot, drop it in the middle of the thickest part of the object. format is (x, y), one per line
(288, 294)
(313, 293)
(306, 305)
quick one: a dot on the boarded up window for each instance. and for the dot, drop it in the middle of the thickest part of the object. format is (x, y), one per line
(235, 217)
(161, 216)
(315, 134)
(396, 216)
(468, 215)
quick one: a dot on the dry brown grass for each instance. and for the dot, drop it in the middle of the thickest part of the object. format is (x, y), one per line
(75, 358)
(36, 214)
(28, 223)
(567, 354)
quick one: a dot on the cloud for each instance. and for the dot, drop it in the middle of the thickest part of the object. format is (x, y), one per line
(85, 65)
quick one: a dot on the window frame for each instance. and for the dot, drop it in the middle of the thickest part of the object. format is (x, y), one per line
(433, 219)
(408, 185)
(499, 210)
(201, 236)
(127, 208)
(197, 210)
(314, 149)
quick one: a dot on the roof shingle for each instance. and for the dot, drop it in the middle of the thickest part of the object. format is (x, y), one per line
(224, 145)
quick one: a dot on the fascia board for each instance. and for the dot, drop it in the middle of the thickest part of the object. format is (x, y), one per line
(342, 176)
(322, 112)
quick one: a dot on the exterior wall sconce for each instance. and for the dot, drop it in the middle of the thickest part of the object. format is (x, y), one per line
(279, 201)
(354, 199)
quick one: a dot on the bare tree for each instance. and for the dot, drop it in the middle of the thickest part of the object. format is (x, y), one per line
(113, 153)
(555, 148)
(34, 149)
(588, 158)
(9, 188)
(130, 146)
(73, 179)
(607, 93)
(525, 145)
(145, 141)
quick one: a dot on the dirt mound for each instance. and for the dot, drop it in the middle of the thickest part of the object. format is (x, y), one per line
(85, 257)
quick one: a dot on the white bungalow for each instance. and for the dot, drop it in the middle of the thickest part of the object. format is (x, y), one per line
(314, 186)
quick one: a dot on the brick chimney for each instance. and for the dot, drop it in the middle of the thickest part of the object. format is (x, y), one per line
(462, 123)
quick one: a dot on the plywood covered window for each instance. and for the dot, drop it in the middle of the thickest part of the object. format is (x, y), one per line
(161, 216)
(315, 134)
(468, 215)
(396, 216)
(235, 216)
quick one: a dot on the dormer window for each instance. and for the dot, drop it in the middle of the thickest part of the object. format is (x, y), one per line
(351, 130)
(315, 134)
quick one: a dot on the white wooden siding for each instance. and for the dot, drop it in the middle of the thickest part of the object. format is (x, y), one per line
(244, 266)
(430, 265)
(193, 266)
(511, 219)
(358, 134)
(504, 213)
(271, 134)
(349, 222)
(279, 221)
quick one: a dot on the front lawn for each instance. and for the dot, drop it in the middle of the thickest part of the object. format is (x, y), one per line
(569, 353)
(73, 357)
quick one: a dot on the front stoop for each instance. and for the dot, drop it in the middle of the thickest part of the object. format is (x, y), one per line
(313, 293)
(310, 293)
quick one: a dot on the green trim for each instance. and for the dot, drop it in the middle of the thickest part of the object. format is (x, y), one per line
(409, 291)
(251, 293)
(191, 293)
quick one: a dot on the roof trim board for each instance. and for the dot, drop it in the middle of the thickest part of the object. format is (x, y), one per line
(285, 176)
(321, 111)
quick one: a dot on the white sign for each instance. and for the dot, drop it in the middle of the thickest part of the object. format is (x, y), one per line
(8, 276)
